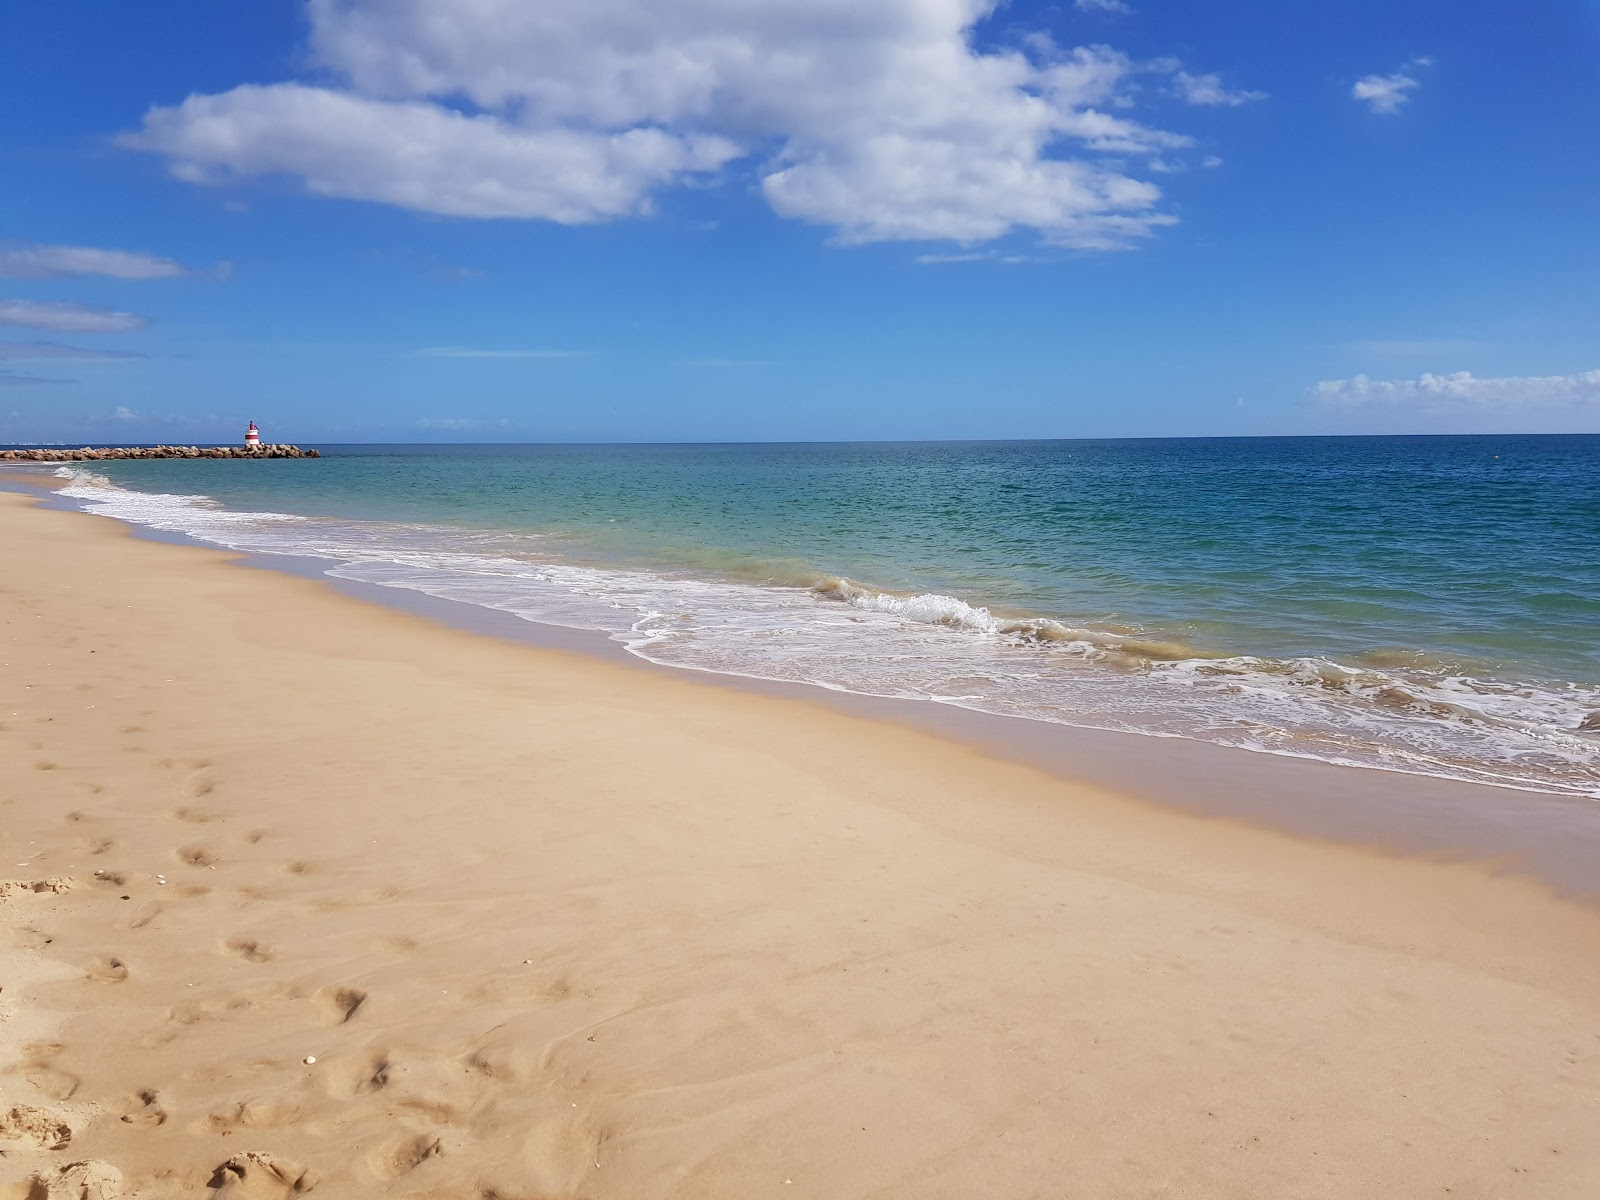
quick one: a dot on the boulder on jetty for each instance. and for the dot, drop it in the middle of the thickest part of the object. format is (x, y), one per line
(88, 454)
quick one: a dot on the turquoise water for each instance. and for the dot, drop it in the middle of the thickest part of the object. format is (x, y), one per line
(1428, 604)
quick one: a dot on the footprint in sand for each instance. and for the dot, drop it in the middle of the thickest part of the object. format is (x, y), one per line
(299, 867)
(37, 1068)
(339, 1004)
(98, 845)
(145, 1110)
(259, 1112)
(56, 1084)
(31, 937)
(360, 1076)
(559, 1153)
(194, 816)
(148, 912)
(402, 1154)
(260, 1176)
(197, 856)
(247, 948)
(34, 1126)
(108, 970)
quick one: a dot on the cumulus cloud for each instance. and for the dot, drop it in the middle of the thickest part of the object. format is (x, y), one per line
(423, 156)
(30, 260)
(882, 121)
(1465, 393)
(34, 351)
(1209, 90)
(1104, 6)
(123, 413)
(1387, 93)
(62, 316)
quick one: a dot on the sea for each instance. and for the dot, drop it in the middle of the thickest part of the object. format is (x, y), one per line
(1428, 605)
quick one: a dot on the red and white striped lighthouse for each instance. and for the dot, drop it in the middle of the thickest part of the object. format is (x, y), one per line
(252, 437)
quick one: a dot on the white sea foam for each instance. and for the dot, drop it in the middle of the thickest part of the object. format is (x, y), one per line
(846, 636)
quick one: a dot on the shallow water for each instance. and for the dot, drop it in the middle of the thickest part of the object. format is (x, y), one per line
(1422, 604)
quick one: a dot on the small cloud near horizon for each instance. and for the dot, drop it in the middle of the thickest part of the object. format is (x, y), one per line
(1117, 7)
(32, 260)
(1463, 392)
(64, 316)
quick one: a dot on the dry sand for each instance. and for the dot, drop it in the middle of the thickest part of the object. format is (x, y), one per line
(553, 927)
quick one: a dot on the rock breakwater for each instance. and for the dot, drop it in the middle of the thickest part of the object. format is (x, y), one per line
(90, 454)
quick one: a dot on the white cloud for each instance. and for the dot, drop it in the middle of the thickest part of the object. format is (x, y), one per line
(1387, 93)
(34, 351)
(34, 261)
(880, 120)
(1208, 90)
(1105, 6)
(66, 317)
(469, 352)
(422, 156)
(1463, 393)
(121, 413)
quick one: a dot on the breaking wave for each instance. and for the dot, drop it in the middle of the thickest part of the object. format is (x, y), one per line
(1398, 711)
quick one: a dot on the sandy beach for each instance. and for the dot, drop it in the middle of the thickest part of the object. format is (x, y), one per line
(307, 894)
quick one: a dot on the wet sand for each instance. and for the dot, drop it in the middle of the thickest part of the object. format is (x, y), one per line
(552, 926)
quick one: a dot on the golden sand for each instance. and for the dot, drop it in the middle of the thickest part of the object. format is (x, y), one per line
(310, 895)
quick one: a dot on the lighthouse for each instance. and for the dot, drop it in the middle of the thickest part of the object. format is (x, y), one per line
(252, 437)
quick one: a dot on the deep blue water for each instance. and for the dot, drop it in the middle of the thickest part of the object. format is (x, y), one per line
(1423, 603)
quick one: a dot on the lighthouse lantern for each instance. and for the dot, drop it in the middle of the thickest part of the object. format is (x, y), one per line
(252, 436)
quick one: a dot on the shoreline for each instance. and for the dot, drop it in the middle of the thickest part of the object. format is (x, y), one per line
(1552, 837)
(366, 905)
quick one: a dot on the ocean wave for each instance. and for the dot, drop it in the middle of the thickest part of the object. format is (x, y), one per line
(1399, 710)
(932, 608)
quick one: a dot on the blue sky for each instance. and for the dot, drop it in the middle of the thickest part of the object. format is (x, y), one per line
(723, 220)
